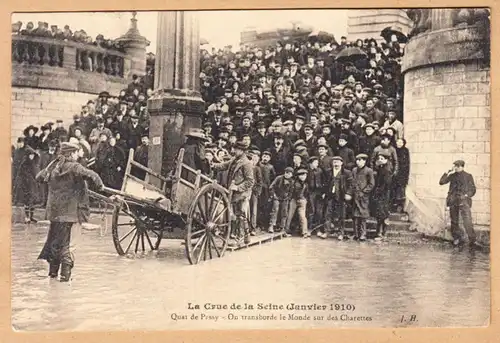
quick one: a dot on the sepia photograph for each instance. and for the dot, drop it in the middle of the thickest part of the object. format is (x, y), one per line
(250, 169)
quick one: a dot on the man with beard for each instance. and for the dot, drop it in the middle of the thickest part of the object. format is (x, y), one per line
(389, 150)
(280, 156)
(67, 187)
(141, 156)
(337, 192)
(368, 142)
(363, 181)
(240, 181)
(113, 165)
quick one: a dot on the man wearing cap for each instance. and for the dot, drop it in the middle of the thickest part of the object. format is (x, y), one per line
(393, 122)
(310, 139)
(290, 135)
(459, 200)
(59, 132)
(134, 131)
(76, 124)
(368, 141)
(381, 195)
(268, 176)
(67, 187)
(298, 202)
(45, 159)
(346, 153)
(280, 153)
(337, 192)
(280, 192)
(240, 182)
(363, 181)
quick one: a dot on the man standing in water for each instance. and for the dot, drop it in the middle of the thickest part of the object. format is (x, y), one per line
(65, 178)
(459, 200)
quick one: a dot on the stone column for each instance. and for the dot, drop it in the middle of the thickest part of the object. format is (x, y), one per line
(369, 23)
(447, 109)
(177, 105)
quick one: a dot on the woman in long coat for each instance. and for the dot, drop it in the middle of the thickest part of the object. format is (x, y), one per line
(25, 188)
(113, 165)
(363, 182)
(381, 194)
(402, 176)
(29, 137)
(67, 189)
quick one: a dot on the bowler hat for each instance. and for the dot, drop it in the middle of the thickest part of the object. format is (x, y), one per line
(459, 163)
(196, 133)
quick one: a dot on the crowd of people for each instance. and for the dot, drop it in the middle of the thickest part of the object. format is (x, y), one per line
(66, 33)
(320, 121)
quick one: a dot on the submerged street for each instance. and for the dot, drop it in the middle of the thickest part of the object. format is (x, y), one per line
(388, 285)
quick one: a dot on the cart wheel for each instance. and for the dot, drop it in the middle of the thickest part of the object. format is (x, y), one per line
(208, 224)
(129, 233)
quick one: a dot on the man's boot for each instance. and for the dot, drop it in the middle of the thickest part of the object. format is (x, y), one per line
(32, 213)
(65, 272)
(53, 269)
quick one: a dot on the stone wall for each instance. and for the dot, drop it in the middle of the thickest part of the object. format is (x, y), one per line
(447, 117)
(370, 22)
(37, 106)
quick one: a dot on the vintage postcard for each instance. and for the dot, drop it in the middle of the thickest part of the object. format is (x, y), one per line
(256, 169)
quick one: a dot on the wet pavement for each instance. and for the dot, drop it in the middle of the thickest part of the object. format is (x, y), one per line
(388, 284)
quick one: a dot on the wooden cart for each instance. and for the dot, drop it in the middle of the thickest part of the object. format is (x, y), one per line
(187, 205)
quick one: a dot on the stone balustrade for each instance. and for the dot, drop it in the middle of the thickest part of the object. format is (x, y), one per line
(47, 51)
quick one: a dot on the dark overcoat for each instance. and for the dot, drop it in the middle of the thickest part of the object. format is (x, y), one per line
(25, 188)
(113, 159)
(363, 181)
(381, 194)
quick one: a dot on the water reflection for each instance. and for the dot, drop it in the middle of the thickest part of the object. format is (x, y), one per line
(441, 286)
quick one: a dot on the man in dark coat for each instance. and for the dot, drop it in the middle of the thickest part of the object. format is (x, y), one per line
(363, 181)
(316, 184)
(240, 182)
(280, 192)
(268, 176)
(459, 200)
(280, 154)
(337, 191)
(257, 188)
(381, 194)
(368, 142)
(67, 186)
(45, 159)
(194, 154)
(113, 165)
(134, 131)
(141, 156)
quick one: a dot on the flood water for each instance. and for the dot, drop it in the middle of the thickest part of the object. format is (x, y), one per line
(389, 284)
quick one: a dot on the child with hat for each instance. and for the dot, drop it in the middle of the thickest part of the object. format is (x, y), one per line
(280, 192)
(363, 181)
(298, 202)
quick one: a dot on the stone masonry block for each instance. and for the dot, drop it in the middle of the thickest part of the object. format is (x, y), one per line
(483, 87)
(453, 101)
(477, 76)
(466, 135)
(482, 218)
(466, 112)
(452, 78)
(483, 135)
(438, 124)
(483, 159)
(452, 147)
(446, 112)
(475, 100)
(483, 112)
(454, 123)
(444, 136)
(473, 147)
(476, 123)
(481, 206)
(459, 68)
